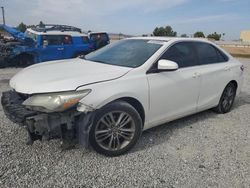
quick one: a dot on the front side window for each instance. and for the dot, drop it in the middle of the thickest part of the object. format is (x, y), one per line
(182, 53)
(67, 39)
(57, 39)
(208, 54)
(127, 53)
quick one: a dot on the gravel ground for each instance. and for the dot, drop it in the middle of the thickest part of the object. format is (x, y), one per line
(203, 150)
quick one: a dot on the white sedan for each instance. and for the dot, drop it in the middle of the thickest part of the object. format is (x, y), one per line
(107, 98)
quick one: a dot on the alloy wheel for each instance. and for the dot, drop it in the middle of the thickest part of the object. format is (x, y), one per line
(115, 130)
(228, 98)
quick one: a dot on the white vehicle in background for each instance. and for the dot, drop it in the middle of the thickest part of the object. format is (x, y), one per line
(111, 95)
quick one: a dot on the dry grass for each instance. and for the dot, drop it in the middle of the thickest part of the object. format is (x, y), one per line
(237, 51)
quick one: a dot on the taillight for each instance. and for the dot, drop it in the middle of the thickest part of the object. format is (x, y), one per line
(242, 67)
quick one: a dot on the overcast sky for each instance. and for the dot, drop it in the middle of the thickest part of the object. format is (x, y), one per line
(135, 17)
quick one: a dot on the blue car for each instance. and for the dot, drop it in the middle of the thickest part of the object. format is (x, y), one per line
(39, 44)
(99, 39)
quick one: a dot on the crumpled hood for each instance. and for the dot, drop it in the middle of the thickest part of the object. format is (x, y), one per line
(64, 75)
(20, 36)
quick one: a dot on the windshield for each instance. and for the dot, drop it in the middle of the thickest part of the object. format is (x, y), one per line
(127, 53)
(31, 35)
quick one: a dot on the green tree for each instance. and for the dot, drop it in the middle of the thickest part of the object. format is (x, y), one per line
(21, 27)
(199, 34)
(164, 31)
(41, 24)
(214, 36)
(184, 36)
(31, 26)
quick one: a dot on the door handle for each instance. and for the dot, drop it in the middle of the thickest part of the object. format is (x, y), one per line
(196, 75)
(60, 49)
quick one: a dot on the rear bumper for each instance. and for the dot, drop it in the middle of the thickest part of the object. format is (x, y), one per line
(46, 126)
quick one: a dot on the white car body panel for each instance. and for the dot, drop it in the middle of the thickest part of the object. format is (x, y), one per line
(116, 89)
(212, 78)
(169, 92)
(165, 96)
(63, 76)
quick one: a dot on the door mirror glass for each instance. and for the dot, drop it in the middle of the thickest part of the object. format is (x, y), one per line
(167, 65)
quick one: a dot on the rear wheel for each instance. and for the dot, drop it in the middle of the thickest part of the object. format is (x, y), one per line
(227, 99)
(116, 129)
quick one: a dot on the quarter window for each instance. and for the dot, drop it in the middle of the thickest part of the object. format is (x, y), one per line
(182, 53)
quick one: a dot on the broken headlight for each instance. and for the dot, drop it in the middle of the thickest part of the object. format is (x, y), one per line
(55, 102)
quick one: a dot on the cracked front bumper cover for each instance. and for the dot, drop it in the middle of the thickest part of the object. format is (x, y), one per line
(13, 108)
(71, 126)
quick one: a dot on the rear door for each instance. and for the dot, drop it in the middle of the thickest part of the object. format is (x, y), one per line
(215, 74)
(52, 47)
(175, 94)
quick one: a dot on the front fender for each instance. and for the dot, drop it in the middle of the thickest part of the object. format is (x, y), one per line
(106, 92)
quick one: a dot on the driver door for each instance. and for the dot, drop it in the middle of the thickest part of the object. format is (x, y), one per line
(174, 94)
(52, 47)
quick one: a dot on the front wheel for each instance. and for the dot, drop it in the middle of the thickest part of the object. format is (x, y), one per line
(227, 99)
(116, 129)
(23, 60)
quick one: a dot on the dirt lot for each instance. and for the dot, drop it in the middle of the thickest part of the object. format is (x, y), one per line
(238, 51)
(203, 150)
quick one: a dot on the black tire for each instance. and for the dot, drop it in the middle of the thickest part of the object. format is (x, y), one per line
(227, 99)
(80, 54)
(3, 63)
(23, 60)
(121, 148)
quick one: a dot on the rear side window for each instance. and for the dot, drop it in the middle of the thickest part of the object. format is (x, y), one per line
(182, 53)
(99, 36)
(208, 54)
(104, 36)
(52, 40)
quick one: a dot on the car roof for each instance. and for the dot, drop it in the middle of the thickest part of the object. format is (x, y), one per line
(101, 32)
(167, 39)
(71, 33)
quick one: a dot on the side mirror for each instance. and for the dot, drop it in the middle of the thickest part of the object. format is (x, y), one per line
(167, 65)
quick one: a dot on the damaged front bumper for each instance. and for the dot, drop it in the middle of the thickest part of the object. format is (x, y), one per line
(71, 126)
